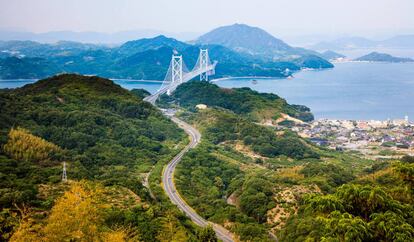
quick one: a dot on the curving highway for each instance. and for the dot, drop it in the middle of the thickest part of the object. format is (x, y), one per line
(169, 186)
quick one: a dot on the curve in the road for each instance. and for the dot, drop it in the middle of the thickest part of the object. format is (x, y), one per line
(169, 186)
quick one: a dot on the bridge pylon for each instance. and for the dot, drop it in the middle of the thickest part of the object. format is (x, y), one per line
(177, 69)
(204, 62)
(176, 72)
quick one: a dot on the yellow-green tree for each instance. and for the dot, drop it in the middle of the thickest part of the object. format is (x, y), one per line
(171, 231)
(76, 215)
(22, 145)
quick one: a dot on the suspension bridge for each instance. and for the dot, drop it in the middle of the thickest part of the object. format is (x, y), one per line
(178, 73)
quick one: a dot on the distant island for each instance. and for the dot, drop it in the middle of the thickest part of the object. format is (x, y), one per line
(331, 55)
(382, 57)
(355, 42)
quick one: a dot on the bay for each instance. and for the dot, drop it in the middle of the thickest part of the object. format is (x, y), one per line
(351, 90)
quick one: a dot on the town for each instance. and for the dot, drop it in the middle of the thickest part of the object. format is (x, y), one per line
(373, 138)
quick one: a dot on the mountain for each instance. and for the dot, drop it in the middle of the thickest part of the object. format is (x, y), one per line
(135, 46)
(344, 43)
(30, 68)
(91, 37)
(261, 45)
(36, 49)
(381, 57)
(399, 41)
(139, 59)
(244, 38)
(331, 55)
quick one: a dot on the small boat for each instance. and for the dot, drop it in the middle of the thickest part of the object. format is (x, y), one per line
(254, 81)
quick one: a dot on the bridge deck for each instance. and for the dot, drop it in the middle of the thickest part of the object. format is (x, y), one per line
(172, 86)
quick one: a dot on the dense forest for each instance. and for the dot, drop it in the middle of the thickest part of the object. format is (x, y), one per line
(109, 139)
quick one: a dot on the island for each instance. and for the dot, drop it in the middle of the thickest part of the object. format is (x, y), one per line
(331, 55)
(382, 57)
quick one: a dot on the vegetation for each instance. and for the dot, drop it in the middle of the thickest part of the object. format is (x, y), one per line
(248, 103)
(204, 179)
(239, 176)
(108, 137)
(22, 145)
(221, 126)
(373, 211)
(256, 180)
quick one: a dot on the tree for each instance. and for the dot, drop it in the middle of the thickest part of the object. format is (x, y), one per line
(77, 214)
(170, 230)
(345, 227)
(324, 204)
(389, 226)
(207, 234)
(22, 145)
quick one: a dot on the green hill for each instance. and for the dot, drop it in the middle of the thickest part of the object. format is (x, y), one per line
(108, 137)
(251, 104)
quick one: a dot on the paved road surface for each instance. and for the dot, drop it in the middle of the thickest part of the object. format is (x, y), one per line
(169, 186)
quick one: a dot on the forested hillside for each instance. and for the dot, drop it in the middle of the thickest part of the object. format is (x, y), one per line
(262, 181)
(248, 103)
(110, 139)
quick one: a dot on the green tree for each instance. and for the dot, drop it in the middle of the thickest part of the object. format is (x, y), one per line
(207, 234)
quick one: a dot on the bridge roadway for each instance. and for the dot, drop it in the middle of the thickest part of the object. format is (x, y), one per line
(170, 189)
(168, 172)
(186, 77)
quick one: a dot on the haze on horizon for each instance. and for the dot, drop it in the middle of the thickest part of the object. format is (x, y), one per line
(369, 18)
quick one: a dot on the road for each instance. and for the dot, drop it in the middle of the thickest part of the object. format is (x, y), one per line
(170, 189)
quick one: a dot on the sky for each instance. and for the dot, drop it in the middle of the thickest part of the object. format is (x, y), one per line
(279, 17)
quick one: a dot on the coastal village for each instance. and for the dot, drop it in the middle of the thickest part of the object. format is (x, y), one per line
(373, 138)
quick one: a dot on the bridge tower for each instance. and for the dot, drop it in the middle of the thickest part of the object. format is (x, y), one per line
(203, 62)
(177, 69)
